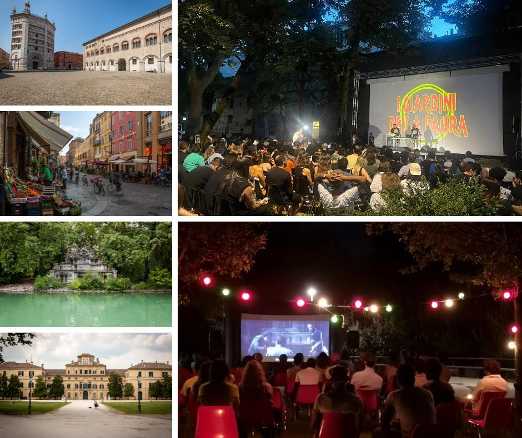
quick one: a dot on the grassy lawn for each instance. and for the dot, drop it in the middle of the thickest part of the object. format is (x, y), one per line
(20, 408)
(149, 407)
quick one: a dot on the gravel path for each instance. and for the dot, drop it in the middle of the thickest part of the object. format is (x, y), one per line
(85, 88)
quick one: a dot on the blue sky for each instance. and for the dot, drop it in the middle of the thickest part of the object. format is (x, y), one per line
(76, 123)
(77, 21)
(116, 350)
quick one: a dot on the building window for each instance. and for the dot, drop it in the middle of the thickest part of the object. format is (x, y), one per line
(102, 51)
(151, 40)
(68, 386)
(109, 49)
(97, 52)
(167, 36)
(139, 373)
(125, 45)
(150, 60)
(21, 373)
(130, 125)
(151, 373)
(136, 43)
(139, 385)
(116, 48)
(31, 373)
(134, 61)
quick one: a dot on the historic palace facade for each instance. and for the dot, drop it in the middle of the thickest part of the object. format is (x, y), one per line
(87, 378)
(32, 41)
(143, 45)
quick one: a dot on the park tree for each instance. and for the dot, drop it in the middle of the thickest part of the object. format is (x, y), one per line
(57, 389)
(156, 389)
(249, 36)
(115, 386)
(494, 249)
(128, 390)
(40, 388)
(4, 383)
(14, 387)
(479, 17)
(225, 249)
(166, 387)
(19, 244)
(14, 339)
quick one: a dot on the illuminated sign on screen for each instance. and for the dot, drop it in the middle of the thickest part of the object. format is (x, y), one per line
(431, 109)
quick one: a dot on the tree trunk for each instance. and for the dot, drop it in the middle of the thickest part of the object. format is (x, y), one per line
(196, 107)
(209, 122)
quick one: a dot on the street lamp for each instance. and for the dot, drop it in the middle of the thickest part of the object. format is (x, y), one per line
(139, 393)
(311, 292)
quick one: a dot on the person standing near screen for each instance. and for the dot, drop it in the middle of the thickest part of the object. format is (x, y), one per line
(259, 343)
(414, 135)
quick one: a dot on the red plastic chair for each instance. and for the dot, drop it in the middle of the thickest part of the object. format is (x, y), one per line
(450, 415)
(370, 399)
(431, 431)
(280, 379)
(498, 417)
(216, 422)
(306, 394)
(290, 386)
(336, 425)
(484, 400)
(279, 408)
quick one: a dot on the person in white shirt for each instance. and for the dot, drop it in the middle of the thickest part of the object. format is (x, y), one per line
(308, 375)
(367, 379)
(491, 382)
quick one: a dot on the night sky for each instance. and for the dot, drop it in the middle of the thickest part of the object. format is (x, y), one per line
(343, 262)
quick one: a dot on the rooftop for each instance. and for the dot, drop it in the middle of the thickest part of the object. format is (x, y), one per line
(151, 366)
(159, 11)
(19, 366)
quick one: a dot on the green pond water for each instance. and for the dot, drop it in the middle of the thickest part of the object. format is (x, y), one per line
(86, 310)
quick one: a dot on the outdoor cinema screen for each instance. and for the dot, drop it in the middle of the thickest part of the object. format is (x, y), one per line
(273, 335)
(458, 110)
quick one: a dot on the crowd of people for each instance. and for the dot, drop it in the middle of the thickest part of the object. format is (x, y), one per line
(271, 177)
(408, 392)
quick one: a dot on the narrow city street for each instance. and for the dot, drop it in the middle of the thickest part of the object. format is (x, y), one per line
(135, 199)
(85, 88)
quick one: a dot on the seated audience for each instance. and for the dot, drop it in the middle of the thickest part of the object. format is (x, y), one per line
(492, 381)
(367, 379)
(442, 392)
(408, 406)
(218, 391)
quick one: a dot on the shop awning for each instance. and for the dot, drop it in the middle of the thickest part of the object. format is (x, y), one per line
(45, 133)
(143, 161)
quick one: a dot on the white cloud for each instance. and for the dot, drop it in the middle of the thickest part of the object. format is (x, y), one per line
(116, 350)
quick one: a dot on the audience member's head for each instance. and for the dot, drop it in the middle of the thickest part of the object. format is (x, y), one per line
(253, 375)
(406, 376)
(433, 369)
(219, 371)
(491, 366)
(298, 359)
(258, 357)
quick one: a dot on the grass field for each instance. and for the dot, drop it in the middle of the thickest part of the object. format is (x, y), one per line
(149, 407)
(20, 407)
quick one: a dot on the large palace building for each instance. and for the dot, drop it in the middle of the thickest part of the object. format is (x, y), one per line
(87, 378)
(32, 41)
(143, 45)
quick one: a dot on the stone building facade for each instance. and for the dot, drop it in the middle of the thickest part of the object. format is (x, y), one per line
(4, 60)
(32, 41)
(79, 262)
(101, 132)
(87, 378)
(143, 45)
(68, 61)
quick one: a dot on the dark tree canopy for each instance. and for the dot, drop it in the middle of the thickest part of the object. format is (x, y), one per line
(14, 339)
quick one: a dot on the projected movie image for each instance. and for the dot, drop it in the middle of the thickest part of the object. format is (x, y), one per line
(457, 111)
(275, 335)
